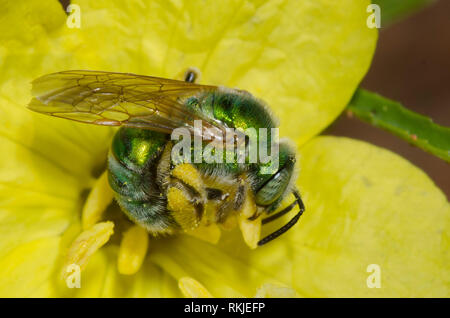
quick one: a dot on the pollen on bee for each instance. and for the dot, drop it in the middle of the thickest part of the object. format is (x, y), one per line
(184, 212)
(86, 244)
(132, 251)
(99, 198)
(187, 173)
(191, 288)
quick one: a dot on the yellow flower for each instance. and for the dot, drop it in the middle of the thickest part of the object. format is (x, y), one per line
(365, 205)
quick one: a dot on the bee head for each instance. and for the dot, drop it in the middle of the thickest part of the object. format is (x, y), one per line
(272, 188)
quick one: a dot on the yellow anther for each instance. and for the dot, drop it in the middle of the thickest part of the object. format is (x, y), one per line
(192, 288)
(275, 291)
(210, 233)
(251, 230)
(97, 201)
(86, 244)
(132, 251)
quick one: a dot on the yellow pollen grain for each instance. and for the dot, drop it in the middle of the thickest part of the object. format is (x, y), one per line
(132, 251)
(210, 233)
(192, 288)
(97, 201)
(86, 244)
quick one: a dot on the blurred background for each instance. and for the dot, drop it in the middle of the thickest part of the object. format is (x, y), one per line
(412, 66)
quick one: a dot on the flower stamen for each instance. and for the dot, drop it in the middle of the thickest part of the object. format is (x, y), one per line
(97, 201)
(86, 244)
(132, 251)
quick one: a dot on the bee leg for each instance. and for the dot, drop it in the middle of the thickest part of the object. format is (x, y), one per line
(186, 211)
(279, 214)
(186, 196)
(287, 226)
(84, 246)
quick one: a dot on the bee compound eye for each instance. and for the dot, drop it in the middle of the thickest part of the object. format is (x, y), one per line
(273, 188)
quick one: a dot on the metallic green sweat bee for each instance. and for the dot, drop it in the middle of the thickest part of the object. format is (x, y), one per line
(155, 192)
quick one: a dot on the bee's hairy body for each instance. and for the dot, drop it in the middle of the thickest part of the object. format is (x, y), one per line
(165, 197)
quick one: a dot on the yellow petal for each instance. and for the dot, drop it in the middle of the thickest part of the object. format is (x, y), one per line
(149, 281)
(27, 270)
(48, 162)
(101, 279)
(133, 249)
(364, 206)
(222, 273)
(34, 25)
(192, 288)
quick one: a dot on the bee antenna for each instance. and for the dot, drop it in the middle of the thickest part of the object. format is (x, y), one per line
(288, 225)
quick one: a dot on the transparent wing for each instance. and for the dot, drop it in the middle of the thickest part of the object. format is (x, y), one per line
(114, 99)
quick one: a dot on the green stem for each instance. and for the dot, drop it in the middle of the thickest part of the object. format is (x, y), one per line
(418, 130)
(394, 10)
